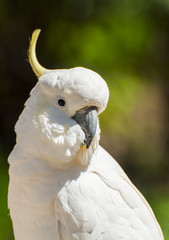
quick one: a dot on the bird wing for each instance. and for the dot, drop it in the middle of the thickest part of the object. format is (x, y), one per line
(103, 204)
(141, 217)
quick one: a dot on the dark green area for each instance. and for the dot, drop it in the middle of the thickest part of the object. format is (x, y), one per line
(6, 232)
(127, 43)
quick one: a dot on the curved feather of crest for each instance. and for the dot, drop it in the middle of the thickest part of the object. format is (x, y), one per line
(37, 68)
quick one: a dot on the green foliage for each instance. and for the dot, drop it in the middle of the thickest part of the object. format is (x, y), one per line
(125, 92)
(109, 43)
(159, 200)
(6, 232)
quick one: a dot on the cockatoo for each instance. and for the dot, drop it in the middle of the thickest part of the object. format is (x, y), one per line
(63, 184)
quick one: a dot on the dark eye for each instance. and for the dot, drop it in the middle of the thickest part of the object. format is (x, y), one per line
(61, 102)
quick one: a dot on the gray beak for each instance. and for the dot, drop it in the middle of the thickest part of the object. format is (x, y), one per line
(87, 119)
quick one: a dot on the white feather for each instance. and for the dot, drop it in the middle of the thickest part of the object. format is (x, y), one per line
(59, 190)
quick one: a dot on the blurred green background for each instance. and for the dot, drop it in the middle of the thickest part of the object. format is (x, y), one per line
(127, 43)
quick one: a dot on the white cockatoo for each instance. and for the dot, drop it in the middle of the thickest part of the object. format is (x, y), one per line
(63, 184)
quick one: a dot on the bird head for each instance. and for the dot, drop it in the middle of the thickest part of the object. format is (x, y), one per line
(62, 112)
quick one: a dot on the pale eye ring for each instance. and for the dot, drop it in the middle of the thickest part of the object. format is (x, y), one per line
(61, 103)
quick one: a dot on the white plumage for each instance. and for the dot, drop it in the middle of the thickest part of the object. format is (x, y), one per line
(63, 185)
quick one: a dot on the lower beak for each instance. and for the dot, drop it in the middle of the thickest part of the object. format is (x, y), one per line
(87, 119)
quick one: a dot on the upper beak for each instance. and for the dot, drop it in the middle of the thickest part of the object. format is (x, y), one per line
(87, 119)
